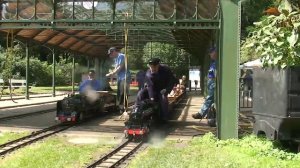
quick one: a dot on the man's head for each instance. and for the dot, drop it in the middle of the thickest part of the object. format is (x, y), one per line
(112, 52)
(154, 64)
(92, 74)
(213, 53)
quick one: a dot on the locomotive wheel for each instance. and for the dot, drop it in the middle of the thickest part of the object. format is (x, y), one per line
(130, 137)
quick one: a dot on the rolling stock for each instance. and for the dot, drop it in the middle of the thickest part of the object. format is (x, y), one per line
(77, 107)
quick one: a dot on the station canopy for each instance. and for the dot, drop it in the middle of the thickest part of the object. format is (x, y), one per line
(90, 27)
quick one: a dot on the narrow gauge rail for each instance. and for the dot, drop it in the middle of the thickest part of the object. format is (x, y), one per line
(26, 114)
(34, 137)
(119, 155)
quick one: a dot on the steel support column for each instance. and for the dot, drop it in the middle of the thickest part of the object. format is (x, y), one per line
(228, 70)
(27, 72)
(73, 73)
(97, 68)
(53, 73)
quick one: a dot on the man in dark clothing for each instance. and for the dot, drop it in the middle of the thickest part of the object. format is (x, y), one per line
(140, 77)
(160, 81)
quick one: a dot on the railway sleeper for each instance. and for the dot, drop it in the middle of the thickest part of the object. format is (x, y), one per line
(111, 160)
(105, 164)
(117, 157)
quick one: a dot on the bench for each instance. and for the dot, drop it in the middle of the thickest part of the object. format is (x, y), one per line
(15, 84)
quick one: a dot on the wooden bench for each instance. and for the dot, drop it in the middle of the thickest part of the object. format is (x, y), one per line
(14, 83)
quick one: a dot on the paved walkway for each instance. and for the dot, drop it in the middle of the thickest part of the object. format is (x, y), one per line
(18, 101)
(33, 100)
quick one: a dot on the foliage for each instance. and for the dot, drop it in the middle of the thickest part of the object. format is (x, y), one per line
(7, 65)
(135, 59)
(252, 10)
(176, 59)
(276, 40)
(40, 72)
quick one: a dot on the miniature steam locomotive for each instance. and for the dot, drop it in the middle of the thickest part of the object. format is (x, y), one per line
(143, 116)
(77, 107)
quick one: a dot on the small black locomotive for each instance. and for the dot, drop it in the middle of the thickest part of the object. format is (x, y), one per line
(77, 107)
(141, 119)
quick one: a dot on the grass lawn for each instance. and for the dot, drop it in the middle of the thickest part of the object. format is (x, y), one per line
(9, 136)
(249, 152)
(55, 152)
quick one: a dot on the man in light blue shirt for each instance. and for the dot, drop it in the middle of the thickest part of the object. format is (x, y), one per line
(124, 78)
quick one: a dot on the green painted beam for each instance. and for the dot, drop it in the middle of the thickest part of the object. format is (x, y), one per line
(110, 24)
(227, 99)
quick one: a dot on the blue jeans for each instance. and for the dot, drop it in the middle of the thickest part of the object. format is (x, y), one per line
(209, 100)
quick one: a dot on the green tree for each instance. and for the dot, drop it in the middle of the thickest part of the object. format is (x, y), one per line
(175, 58)
(275, 39)
(252, 11)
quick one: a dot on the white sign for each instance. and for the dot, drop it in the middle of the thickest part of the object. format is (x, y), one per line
(194, 76)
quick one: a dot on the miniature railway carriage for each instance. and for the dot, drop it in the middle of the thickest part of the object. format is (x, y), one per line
(78, 107)
(276, 103)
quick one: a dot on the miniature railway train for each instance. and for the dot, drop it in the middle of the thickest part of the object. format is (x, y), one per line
(77, 107)
(144, 117)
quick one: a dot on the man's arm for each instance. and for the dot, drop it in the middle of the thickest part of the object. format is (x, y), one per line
(82, 86)
(117, 68)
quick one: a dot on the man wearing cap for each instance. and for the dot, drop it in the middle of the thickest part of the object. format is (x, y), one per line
(123, 77)
(209, 100)
(89, 87)
(160, 81)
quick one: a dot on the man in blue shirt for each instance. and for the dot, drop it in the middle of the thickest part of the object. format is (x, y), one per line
(90, 84)
(124, 78)
(210, 85)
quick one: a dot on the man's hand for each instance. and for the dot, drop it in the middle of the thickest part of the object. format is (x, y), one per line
(163, 91)
(108, 75)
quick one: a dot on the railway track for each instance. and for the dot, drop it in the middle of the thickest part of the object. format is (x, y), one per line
(34, 137)
(117, 156)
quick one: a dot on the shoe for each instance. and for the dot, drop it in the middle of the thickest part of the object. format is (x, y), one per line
(197, 116)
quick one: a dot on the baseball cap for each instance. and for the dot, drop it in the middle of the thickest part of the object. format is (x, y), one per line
(154, 61)
(212, 49)
(111, 49)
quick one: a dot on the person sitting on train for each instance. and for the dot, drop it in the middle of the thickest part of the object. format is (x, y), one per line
(183, 83)
(160, 81)
(89, 87)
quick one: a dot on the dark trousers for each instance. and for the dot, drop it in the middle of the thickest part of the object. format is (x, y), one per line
(120, 95)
